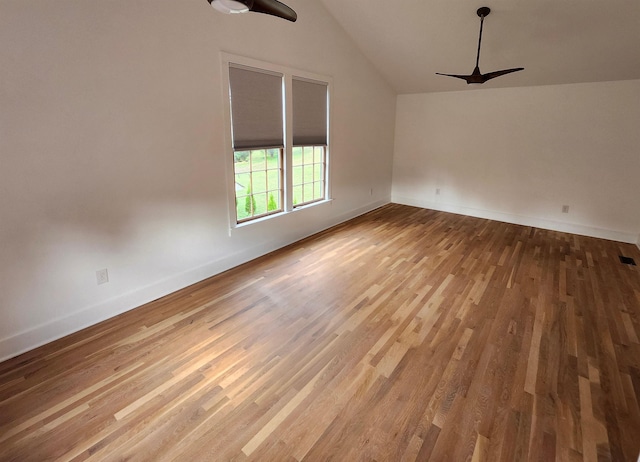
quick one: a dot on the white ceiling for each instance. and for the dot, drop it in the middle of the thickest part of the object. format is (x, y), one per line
(557, 42)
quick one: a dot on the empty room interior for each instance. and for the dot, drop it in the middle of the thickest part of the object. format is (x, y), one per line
(319, 230)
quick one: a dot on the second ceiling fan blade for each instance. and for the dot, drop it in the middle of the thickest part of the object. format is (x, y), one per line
(494, 74)
(274, 8)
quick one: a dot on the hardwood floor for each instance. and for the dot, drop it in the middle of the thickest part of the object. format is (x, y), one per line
(405, 334)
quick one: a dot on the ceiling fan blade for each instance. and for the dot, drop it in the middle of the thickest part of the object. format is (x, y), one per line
(493, 75)
(274, 8)
(463, 77)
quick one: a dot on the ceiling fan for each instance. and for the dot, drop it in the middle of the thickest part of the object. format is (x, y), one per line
(272, 7)
(476, 76)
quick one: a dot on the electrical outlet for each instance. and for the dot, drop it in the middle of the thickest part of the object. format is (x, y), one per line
(437, 191)
(565, 209)
(102, 276)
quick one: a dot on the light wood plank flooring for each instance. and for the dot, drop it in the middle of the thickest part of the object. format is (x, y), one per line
(405, 334)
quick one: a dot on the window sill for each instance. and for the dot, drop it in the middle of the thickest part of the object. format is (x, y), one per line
(312, 204)
(279, 214)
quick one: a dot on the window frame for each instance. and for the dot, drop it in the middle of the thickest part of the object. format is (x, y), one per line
(288, 74)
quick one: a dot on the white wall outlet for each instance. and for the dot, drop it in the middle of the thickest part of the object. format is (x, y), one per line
(437, 191)
(102, 276)
(565, 209)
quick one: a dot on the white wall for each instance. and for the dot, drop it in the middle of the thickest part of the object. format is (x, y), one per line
(520, 154)
(112, 151)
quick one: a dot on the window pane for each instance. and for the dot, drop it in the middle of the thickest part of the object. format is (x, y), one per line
(308, 154)
(274, 202)
(297, 155)
(297, 195)
(297, 175)
(242, 181)
(273, 179)
(258, 181)
(257, 159)
(260, 203)
(240, 208)
(243, 172)
(241, 156)
(317, 190)
(308, 173)
(317, 172)
(248, 205)
(308, 192)
(317, 154)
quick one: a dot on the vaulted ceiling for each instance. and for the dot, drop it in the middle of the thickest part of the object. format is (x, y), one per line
(557, 42)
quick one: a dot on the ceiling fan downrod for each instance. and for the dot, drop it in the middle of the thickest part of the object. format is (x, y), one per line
(476, 76)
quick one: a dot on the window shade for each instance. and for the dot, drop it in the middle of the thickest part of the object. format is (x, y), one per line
(256, 109)
(309, 113)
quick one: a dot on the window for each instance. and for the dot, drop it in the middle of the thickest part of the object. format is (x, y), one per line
(309, 141)
(256, 108)
(274, 173)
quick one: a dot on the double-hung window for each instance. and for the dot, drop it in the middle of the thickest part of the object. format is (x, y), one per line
(309, 141)
(279, 134)
(258, 142)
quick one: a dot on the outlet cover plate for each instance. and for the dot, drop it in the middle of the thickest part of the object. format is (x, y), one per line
(102, 276)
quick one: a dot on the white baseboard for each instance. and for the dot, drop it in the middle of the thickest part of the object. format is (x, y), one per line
(40, 335)
(609, 234)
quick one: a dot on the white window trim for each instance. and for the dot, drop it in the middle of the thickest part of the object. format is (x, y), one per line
(288, 73)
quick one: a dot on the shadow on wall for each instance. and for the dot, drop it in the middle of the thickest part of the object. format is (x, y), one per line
(49, 268)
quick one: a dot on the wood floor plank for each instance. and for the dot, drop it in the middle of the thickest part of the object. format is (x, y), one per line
(404, 334)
